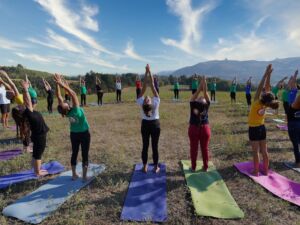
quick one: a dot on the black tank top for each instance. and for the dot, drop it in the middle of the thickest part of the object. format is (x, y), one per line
(293, 114)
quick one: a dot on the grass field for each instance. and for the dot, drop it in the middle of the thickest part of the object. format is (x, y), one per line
(116, 142)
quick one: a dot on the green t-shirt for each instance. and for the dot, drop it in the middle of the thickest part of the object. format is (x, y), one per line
(194, 84)
(78, 122)
(275, 90)
(32, 92)
(176, 86)
(213, 87)
(233, 88)
(285, 95)
(83, 90)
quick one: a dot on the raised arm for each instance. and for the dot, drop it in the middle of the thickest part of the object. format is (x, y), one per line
(204, 83)
(280, 82)
(45, 84)
(59, 81)
(249, 80)
(196, 94)
(153, 89)
(6, 85)
(26, 96)
(294, 83)
(10, 82)
(262, 82)
(145, 83)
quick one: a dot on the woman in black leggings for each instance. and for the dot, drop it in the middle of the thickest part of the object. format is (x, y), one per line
(49, 95)
(79, 127)
(99, 91)
(150, 122)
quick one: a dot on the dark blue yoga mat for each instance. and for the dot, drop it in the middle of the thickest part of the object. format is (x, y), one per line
(52, 167)
(146, 198)
(8, 141)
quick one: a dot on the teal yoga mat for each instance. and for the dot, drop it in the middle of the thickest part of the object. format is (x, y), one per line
(38, 205)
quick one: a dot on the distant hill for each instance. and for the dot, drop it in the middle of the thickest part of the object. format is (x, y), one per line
(227, 69)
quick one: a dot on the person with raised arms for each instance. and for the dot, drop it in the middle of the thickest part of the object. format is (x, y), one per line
(213, 89)
(150, 121)
(194, 83)
(83, 92)
(199, 129)
(4, 103)
(176, 88)
(50, 94)
(293, 88)
(118, 89)
(99, 91)
(233, 90)
(32, 92)
(248, 92)
(38, 129)
(293, 119)
(138, 86)
(79, 127)
(257, 131)
(156, 83)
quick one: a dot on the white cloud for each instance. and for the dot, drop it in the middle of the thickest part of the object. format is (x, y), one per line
(10, 45)
(190, 24)
(57, 42)
(34, 57)
(130, 52)
(73, 22)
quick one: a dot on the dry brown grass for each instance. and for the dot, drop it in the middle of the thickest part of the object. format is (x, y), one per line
(116, 142)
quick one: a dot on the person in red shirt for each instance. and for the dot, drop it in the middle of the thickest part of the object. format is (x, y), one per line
(138, 85)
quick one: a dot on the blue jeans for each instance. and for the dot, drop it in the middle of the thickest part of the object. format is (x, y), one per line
(294, 134)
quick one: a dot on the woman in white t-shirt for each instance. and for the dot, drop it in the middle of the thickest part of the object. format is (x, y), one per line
(150, 122)
(4, 103)
(118, 89)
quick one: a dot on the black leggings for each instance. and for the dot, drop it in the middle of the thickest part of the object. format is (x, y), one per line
(150, 128)
(99, 97)
(213, 95)
(176, 93)
(138, 92)
(83, 139)
(83, 99)
(119, 95)
(39, 145)
(248, 97)
(49, 104)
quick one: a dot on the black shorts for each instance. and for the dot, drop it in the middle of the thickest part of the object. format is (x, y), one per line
(232, 95)
(4, 108)
(286, 107)
(257, 133)
(39, 145)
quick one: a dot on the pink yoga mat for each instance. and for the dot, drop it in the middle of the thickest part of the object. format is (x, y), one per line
(282, 127)
(274, 182)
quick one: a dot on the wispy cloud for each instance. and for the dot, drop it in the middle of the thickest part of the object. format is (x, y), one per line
(10, 45)
(190, 19)
(130, 52)
(57, 60)
(74, 22)
(57, 42)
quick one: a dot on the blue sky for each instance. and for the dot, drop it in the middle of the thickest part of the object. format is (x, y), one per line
(119, 36)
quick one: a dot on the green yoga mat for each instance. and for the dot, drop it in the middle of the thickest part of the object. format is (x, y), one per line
(209, 192)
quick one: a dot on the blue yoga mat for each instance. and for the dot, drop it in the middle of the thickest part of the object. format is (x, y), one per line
(146, 198)
(52, 167)
(38, 205)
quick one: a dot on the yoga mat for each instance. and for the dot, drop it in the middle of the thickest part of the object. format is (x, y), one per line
(38, 205)
(278, 121)
(282, 127)
(274, 182)
(209, 192)
(52, 167)
(9, 154)
(8, 141)
(146, 198)
(291, 165)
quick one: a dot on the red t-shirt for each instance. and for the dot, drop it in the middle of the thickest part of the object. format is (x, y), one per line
(138, 84)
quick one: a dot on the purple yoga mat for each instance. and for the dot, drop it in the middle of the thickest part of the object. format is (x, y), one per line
(274, 182)
(146, 198)
(52, 167)
(282, 127)
(9, 154)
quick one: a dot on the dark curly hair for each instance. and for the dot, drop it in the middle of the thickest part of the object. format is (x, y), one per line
(147, 108)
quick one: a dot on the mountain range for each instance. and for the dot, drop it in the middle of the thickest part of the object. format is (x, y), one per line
(228, 69)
